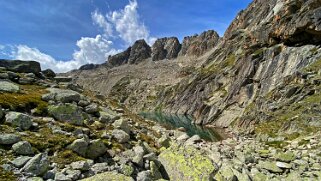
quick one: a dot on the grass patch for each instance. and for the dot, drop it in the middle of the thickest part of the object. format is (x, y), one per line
(45, 139)
(28, 98)
(66, 157)
(313, 67)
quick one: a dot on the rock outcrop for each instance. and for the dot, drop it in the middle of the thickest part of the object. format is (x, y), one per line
(198, 44)
(21, 66)
(120, 58)
(165, 48)
(139, 52)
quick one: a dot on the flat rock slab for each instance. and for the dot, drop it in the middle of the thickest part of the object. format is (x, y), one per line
(109, 176)
(186, 163)
(9, 87)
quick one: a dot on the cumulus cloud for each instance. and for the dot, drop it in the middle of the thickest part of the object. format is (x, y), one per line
(124, 24)
(128, 25)
(24, 52)
(91, 50)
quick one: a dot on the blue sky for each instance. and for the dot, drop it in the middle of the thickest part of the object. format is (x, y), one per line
(69, 33)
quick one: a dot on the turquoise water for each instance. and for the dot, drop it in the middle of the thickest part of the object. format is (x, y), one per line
(178, 121)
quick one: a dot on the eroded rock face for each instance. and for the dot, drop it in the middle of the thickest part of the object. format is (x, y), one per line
(120, 58)
(165, 48)
(198, 44)
(139, 52)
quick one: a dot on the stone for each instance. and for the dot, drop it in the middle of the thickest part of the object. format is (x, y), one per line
(61, 95)
(80, 165)
(96, 148)
(186, 163)
(144, 176)
(79, 146)
(121, 136)
(154, 169)
(283, 165)
(139, 52)
(20, 161)
(48, 73)
(92, 109)
(106, 117)
(285, 157)
(83, 103)
(99, 167)
(22, 148)
(270, 166)
(183, 138)
(4, 76)
(122, 124)
(109, 176)
(9, 139)
(165, 48)
(20, 120)
(6, 86)
(38, 165)
(164, 141)
(21, 66)
(138, 159)
(62, 79)
(68, 113)
(127, 170)
(35, 179)
(193, 139)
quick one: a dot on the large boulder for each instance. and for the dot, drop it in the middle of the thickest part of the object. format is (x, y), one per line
(139, 52)
(96, 149)
(22, 148)
(21, 66)
(79, 146)
(165, 48)
(109, 176)
(121, 136)
(62, 95)
(198, 44)
(9, 139)
(49, 73)
(187, 163)
(68, 113)
(38, 165)
(6, 86)
(16, 119)
(120, 58)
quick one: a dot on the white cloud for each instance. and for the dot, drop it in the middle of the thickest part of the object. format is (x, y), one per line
(100, 20)
(124, 24)
(2, 47)
(128, 25)
(24, 52)
(93, 50)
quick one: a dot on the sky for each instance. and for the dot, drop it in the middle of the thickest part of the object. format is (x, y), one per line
(63, 35)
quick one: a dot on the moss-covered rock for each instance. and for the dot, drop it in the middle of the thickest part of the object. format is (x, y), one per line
(68, 112)
(8, 87)
(109, 176)
(186, 163)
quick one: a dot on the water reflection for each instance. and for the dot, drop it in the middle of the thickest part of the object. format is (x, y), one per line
(172, 121)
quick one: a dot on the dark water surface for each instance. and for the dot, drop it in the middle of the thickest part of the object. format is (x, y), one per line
(172, 121)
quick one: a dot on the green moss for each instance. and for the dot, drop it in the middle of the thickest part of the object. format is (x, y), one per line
(66, 157)
(45, 139)
(314, 67)
(28, 98)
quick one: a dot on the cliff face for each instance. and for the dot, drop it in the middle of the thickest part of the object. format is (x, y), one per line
(268, 47)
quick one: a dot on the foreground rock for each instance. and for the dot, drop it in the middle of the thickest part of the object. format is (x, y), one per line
(8, 87)
(21, 66)
(67, 112)
(20, 120)
(187, 163)
(38, 165)
(109, 176)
